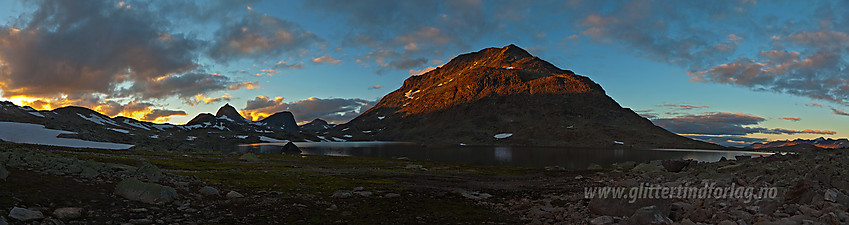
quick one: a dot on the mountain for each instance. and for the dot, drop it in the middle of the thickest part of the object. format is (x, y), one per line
(315, 125)
(228, 111)
(284, 121)
(507, 96)
(819, 142)
(205, 132)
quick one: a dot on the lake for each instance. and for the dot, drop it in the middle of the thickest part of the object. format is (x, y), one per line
(570, 158)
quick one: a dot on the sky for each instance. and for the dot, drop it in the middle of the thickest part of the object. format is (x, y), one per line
(732, 72)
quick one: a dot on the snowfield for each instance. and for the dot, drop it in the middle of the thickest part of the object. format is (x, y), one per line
(503, 135)
(36, 134)
(268, 139)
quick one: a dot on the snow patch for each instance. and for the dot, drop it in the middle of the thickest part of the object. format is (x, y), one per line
(162, 126)
(410, 93)
(347, 136)
(37, 134)
(618, 142)
(381, 117)
(36, 114)
(134, 124)
(268, 139)
(338, 139)
(155, 136)
(241, 136)
(323, 139)
(191, 138)
(503, 135)
(507, 67)
(119, 130)
(224, 117)
(366, 131)
(98, 120)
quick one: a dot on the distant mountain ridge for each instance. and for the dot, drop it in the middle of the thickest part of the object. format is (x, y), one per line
(506, 96)
(819, 142)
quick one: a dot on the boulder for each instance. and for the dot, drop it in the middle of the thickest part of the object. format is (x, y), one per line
(649, 215)
(233, 194)
(674, 166)
(208, 191)
(68, 213)
(148, 171)
(291, 148)
(25, 215)
(150, 193)
(602, 220)
(342, 194)
(647, 168)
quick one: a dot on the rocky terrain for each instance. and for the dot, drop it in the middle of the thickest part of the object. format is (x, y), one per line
(128, 187)
(507, 96)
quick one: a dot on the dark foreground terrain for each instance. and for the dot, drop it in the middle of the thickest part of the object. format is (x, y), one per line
(52, 185)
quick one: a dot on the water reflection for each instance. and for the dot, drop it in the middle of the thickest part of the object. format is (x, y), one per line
(574, 158)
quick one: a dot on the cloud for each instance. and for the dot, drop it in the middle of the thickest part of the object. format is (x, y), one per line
(203, 99)
(375, 87)
(163, 114)
(260, 37)
(648, 113)
(284, 65)
(326, 59)
(400, 35)
(805, 57)
(813, 104)
(56, 54)
(335, 110)
(684, 107)
(839, 112)
(724, 123)
(794, 119)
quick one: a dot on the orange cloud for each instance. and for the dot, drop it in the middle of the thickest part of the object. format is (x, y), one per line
(326, 59)
(791, 118)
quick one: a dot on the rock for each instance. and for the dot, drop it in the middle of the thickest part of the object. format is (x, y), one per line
(649, 215)
(628, 165)
(68, 213)
(800, 192)
(647, 168)
(359, 188)
(3, 172)
(363, 193)
(233, 194)
(89, 172)
(3, 221)
(833, 195)
(727, 222)
(767, 206)
(144, 221)
(150, 193)
(391, 195)
(249, 157)
(687, 222)
(808, 211)
(342, 194)
(148, 171)
(291, 148)
(602, 220)
(25, 215)
(208, 191)
(674, 166)
(622, 207)
(683, 206)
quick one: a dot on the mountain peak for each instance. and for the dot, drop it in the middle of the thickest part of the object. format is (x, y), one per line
(230, 112)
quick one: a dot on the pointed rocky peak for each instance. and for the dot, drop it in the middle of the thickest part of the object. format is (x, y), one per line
(230, 112)
(513, 51)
